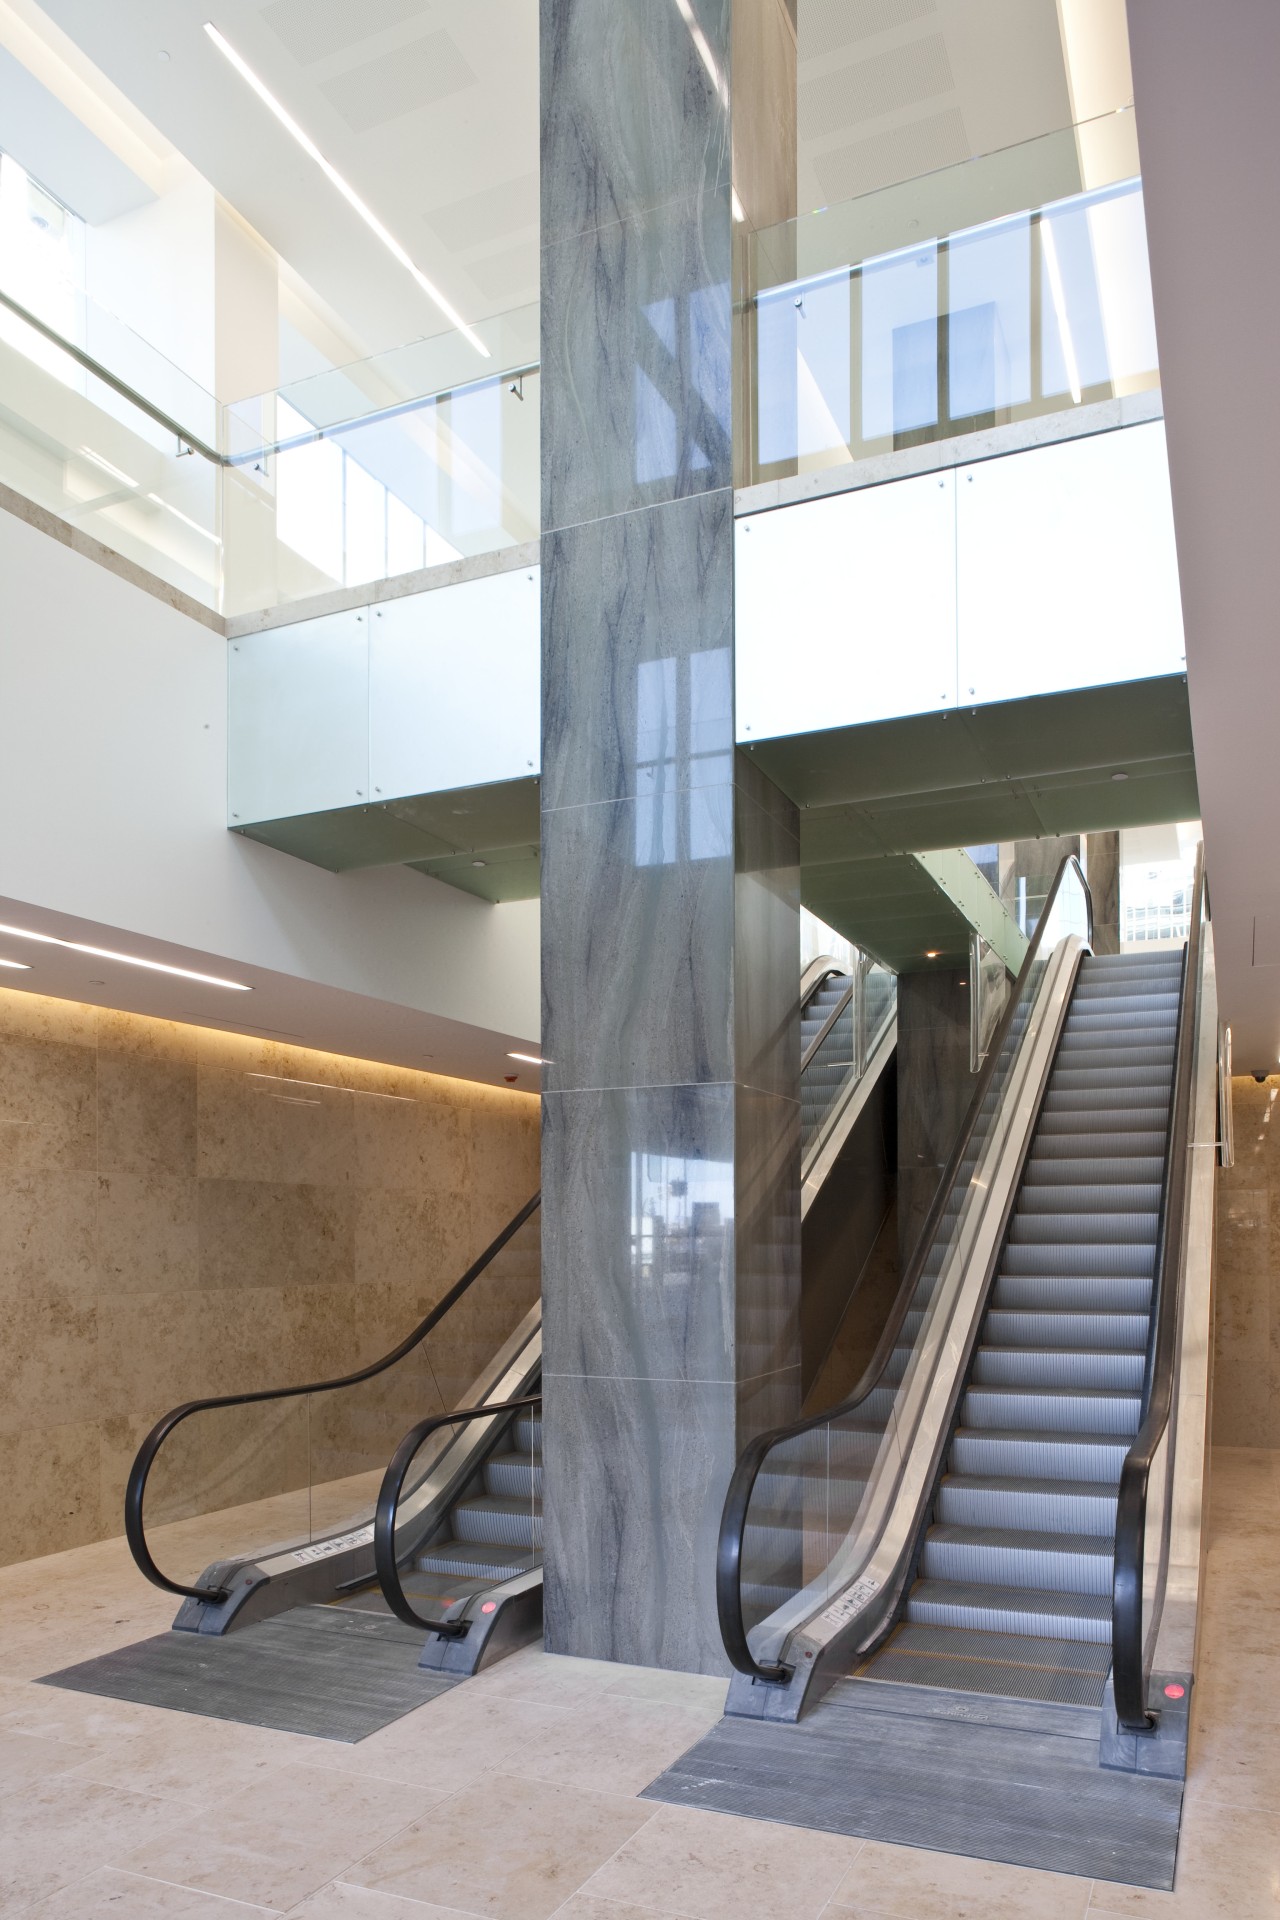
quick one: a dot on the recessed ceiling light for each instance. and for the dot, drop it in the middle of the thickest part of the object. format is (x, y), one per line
(344, 187)
(933, 953)
(20, 966)
(534, 1059)
(1119, 776)
(125, 959)
(479, 863)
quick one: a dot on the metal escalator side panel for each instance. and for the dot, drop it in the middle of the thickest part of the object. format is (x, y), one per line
(852, 1599)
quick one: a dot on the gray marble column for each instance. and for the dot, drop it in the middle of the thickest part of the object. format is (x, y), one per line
(670, 867)
(1102, 867)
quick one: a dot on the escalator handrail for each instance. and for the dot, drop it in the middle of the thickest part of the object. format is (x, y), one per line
(817, 973)
(1128, 1654)
(135, 1490)
(733, 1520)
(389, 1495)
(827, 1024)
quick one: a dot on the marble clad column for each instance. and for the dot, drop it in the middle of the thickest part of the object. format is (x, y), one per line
(670, 867)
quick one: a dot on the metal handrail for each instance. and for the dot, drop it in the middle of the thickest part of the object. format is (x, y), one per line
(1128, 1652)
(384, 1520)
(733, 1520)
(135, 1490)
(195, 444)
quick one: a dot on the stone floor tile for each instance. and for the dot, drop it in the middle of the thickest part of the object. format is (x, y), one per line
(514, 1852)
(612, 1744)
(276, 1880)
(111, 1895)
(341, 1901)
(57, 1830)
(908, 1881)
(711, 1865)
(25, 1757)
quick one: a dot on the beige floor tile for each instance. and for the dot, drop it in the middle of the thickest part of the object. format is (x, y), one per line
(282, 1837)
(25, 1758)
(709, 1865)
(1228, 1869)
(111, 1895)
(514, 1853)
(584, 1906)
(276, 1880)
(57, 1830)
(694, 1692)
(473, 1732)
(547, 1679)
(909, 1881)
(180, 1757)
(341, 1901)
(612, 1744)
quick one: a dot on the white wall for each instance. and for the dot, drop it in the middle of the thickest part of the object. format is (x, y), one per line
(113, 752)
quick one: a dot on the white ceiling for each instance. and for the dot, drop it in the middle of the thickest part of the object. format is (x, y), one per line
(428, 107)
(278, 1007)
(1210, 187)
(891, 89)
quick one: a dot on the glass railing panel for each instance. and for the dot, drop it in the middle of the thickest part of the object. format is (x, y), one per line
(354, 1431)
(1010, 287)
(400, 480)
(230, 1482)
(76, 446)
(823, 1495)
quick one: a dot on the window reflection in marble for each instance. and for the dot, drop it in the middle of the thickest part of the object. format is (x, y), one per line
(684, 758)
(681, 1219)
(681, 389)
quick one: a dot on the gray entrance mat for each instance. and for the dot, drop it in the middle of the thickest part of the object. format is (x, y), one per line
(994, 1779)
(327, 1671)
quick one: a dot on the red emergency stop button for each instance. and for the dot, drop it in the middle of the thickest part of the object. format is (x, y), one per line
(491, 1606)
(1174, 1691)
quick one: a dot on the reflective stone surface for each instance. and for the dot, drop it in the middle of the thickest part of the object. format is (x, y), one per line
(670, 867)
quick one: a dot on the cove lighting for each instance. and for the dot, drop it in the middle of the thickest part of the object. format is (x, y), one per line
(21, 966)
(344, 187)
(534, 1059)
(329, 1086)
(125, 959)
(1058, 292)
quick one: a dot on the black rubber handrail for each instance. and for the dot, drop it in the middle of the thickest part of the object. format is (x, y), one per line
(384, 1521)
(135, 1491)
(733, 1520)
(1129, 1673)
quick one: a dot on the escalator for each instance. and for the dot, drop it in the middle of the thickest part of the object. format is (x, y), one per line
(335, 1493)
(306, 1463)
(993, 1511)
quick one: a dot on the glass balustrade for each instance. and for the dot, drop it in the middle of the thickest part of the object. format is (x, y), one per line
(1008, 288)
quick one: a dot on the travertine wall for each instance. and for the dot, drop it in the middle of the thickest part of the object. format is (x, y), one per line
(1246, 1376)
(177, 1220)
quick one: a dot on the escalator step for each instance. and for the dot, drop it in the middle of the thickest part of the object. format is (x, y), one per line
(1035, 1454)
(472, 1560)
(1017, 1666)
(1016, 1557)
(994, 1500)
(1064, 1410)
(1063, 1367)
(1036, 1612)
(1045, 1328)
